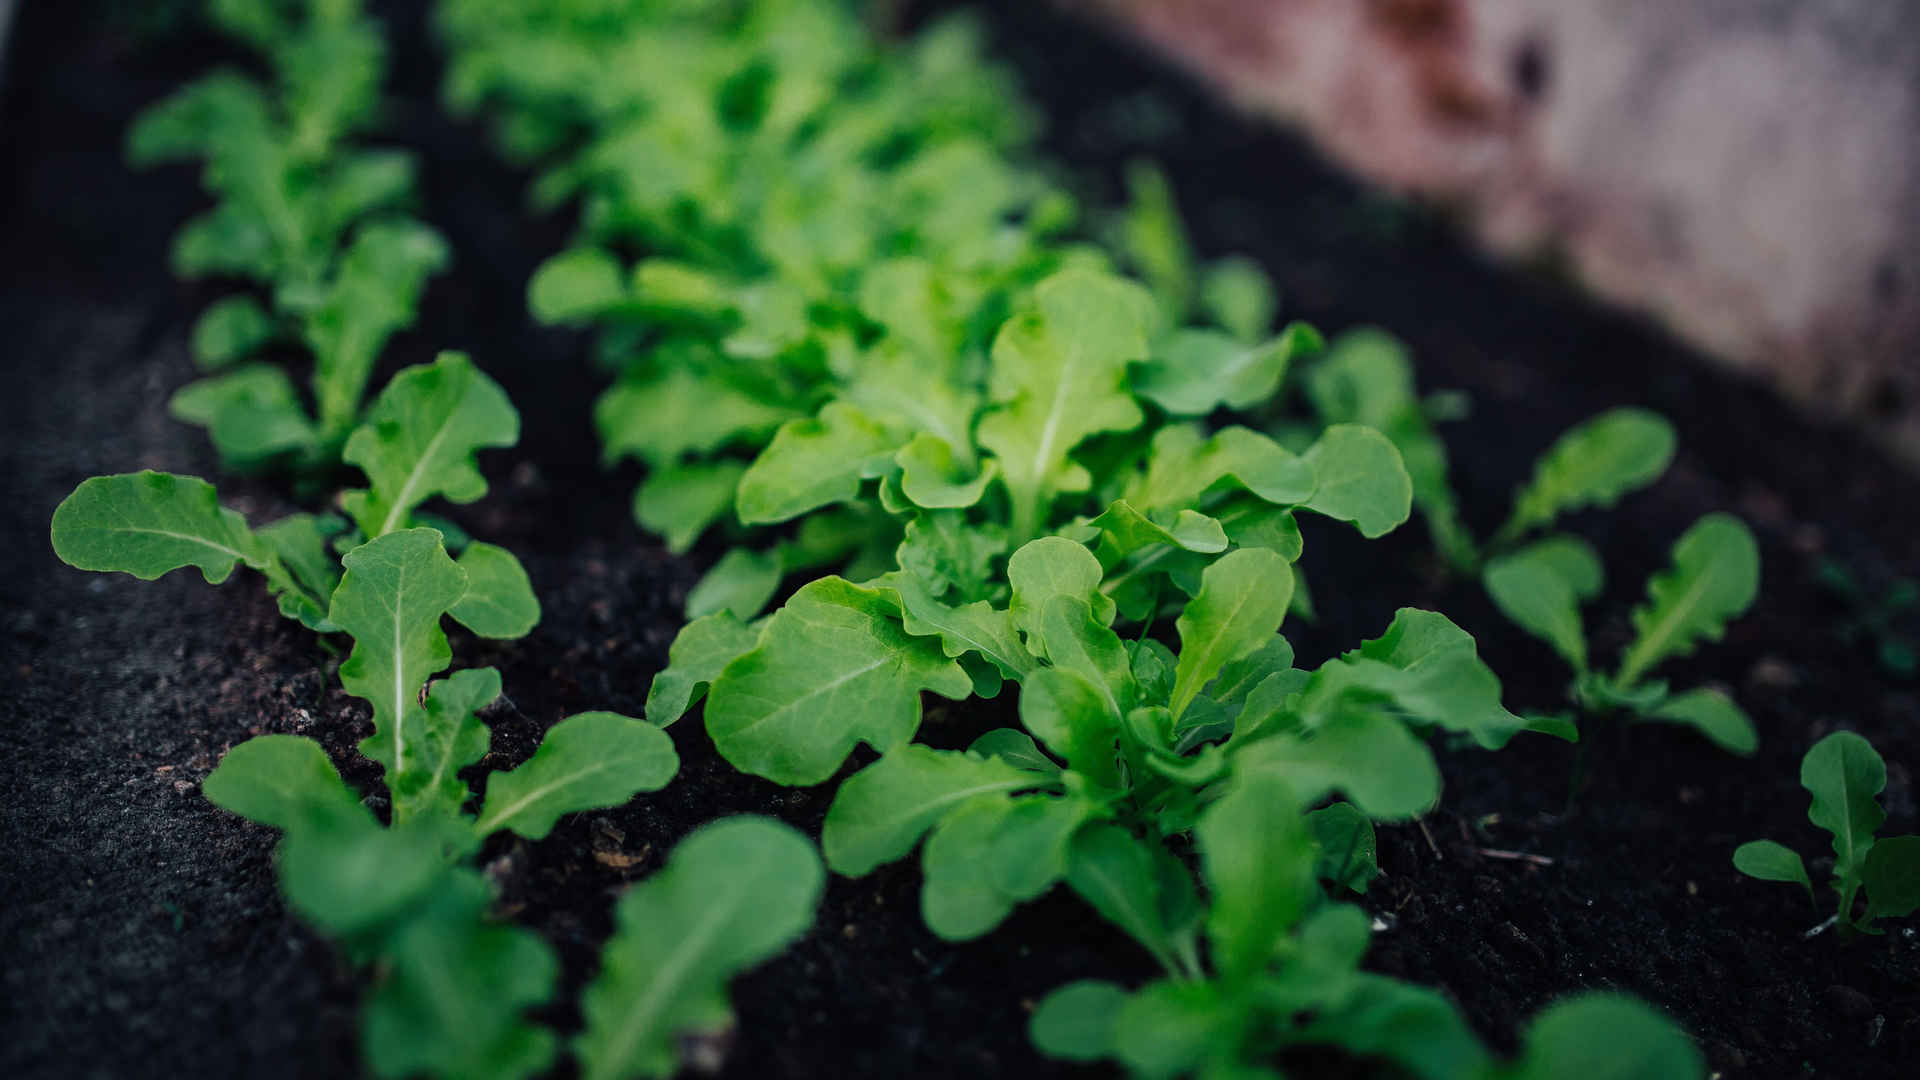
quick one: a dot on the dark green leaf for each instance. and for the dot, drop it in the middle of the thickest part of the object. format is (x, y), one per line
(732, 895)
(833, 668)
(585, 762)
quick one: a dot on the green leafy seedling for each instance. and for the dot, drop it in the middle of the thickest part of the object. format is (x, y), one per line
(1282, 970)
(419, 442)
(1713, 580)
(1845, 776)
(310, 218)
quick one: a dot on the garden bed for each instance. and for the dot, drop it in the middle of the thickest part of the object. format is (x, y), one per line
(142, 925)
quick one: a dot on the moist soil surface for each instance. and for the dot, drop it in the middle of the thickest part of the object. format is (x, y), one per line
(142, 934)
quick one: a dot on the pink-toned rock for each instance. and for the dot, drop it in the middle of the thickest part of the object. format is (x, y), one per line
(1746, 170)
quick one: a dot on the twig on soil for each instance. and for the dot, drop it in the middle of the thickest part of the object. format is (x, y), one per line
(1821, 929)
(1435, 848)
(1517, 856)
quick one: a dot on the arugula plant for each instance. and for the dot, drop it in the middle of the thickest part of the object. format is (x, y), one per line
(1122, 739)
(1540, 585)
(301, 212)
(457, 985)
(419, 442)
(948, 619)
(1845, 776)
(1713, 580)
(1282, 968)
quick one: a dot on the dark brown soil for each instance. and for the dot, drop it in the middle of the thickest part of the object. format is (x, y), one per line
(141, 932)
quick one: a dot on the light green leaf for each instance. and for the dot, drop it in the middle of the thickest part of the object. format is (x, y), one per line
(732, 895)
(455, 990)
(1891, 874)
(499, 602)
(1238, 677)
(1048, 567)
(1181, 467)
(282, 781)
(230, 329)
(934, 476)
(374, 293)
(1769, 861)
(664, 414)
(1194, 372)
(959, 899)
(978, 627)
(1367, 379)
(1117, 875)
(1364, 753)
(576, 285)
(1016, 748)
(833, 668)
(1606, 1037)
(680, 501)
(948, 554)
(420, 438)
(1072, 717)
(148, 523)
(1180, 1028)
(1154, 239)
(1238, 296)
(1077, 1022)
(1429, 669)
(702, 649)
(1593, 464)
(390, 600)
(1715, 576)
(1257, 856)
(1243, 597)
(252, 413)
(741, 582)
(1059, 376)
(450, 738)
(811, 463)
(1360, 479)
(1845, 776)
(1128, 530)
(585, 762)
(1073, 639)
(880, 812)
(1712, 714)
(300, 543)
(1030, 847)
(354, 879)
(1541, 587)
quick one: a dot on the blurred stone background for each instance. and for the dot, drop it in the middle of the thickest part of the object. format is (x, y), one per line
(1745, 171)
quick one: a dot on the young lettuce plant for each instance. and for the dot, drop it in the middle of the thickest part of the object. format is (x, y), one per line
(1714, 579)
(300, 213)
(1282, 970)
(1124, 740)
(1540, 586)
(870, 649)
(456, 984)
(1845, 776)
(419, 442)
(782, 344)
(456, 987)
